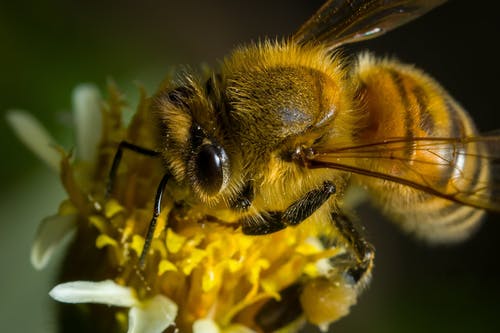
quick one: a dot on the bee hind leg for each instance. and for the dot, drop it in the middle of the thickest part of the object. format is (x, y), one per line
(327, 297)
(297, 212)
(361, 252)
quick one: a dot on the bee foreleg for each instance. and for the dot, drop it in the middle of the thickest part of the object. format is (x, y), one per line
(244, 200)
(362, 251)
(152, 224)
(296, 213)
(117, 158)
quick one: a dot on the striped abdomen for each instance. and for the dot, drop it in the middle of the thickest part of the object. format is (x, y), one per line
(427, 127)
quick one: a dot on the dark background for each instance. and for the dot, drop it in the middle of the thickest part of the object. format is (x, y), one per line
(48, 48)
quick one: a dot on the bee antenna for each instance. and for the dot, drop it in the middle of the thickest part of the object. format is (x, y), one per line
(152, 224)
(118, 157)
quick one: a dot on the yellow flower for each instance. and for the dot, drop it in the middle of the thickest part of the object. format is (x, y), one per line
(201, 275)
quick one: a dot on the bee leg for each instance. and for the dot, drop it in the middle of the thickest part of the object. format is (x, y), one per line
(118, 157)
(362, 251)
(297, 212)
(152, 224)
(159, 192)
(327, 297)
(277, 314)
(244, 199)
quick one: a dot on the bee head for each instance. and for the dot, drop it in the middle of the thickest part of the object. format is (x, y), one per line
(192, 142)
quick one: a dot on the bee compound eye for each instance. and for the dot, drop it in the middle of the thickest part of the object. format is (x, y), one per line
(211, 168)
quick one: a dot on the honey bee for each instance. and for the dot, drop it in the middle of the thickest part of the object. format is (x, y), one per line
(276, 136)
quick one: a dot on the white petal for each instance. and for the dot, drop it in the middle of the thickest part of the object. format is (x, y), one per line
(205, 325)
(52, 233)
(152, 316)
(35, 137)
(103, 292)
(88, 118)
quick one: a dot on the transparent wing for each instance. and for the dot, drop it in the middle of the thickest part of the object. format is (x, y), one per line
(387, 160)
(340, 22)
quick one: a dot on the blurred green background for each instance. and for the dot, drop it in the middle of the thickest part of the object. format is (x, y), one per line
(46, 48)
